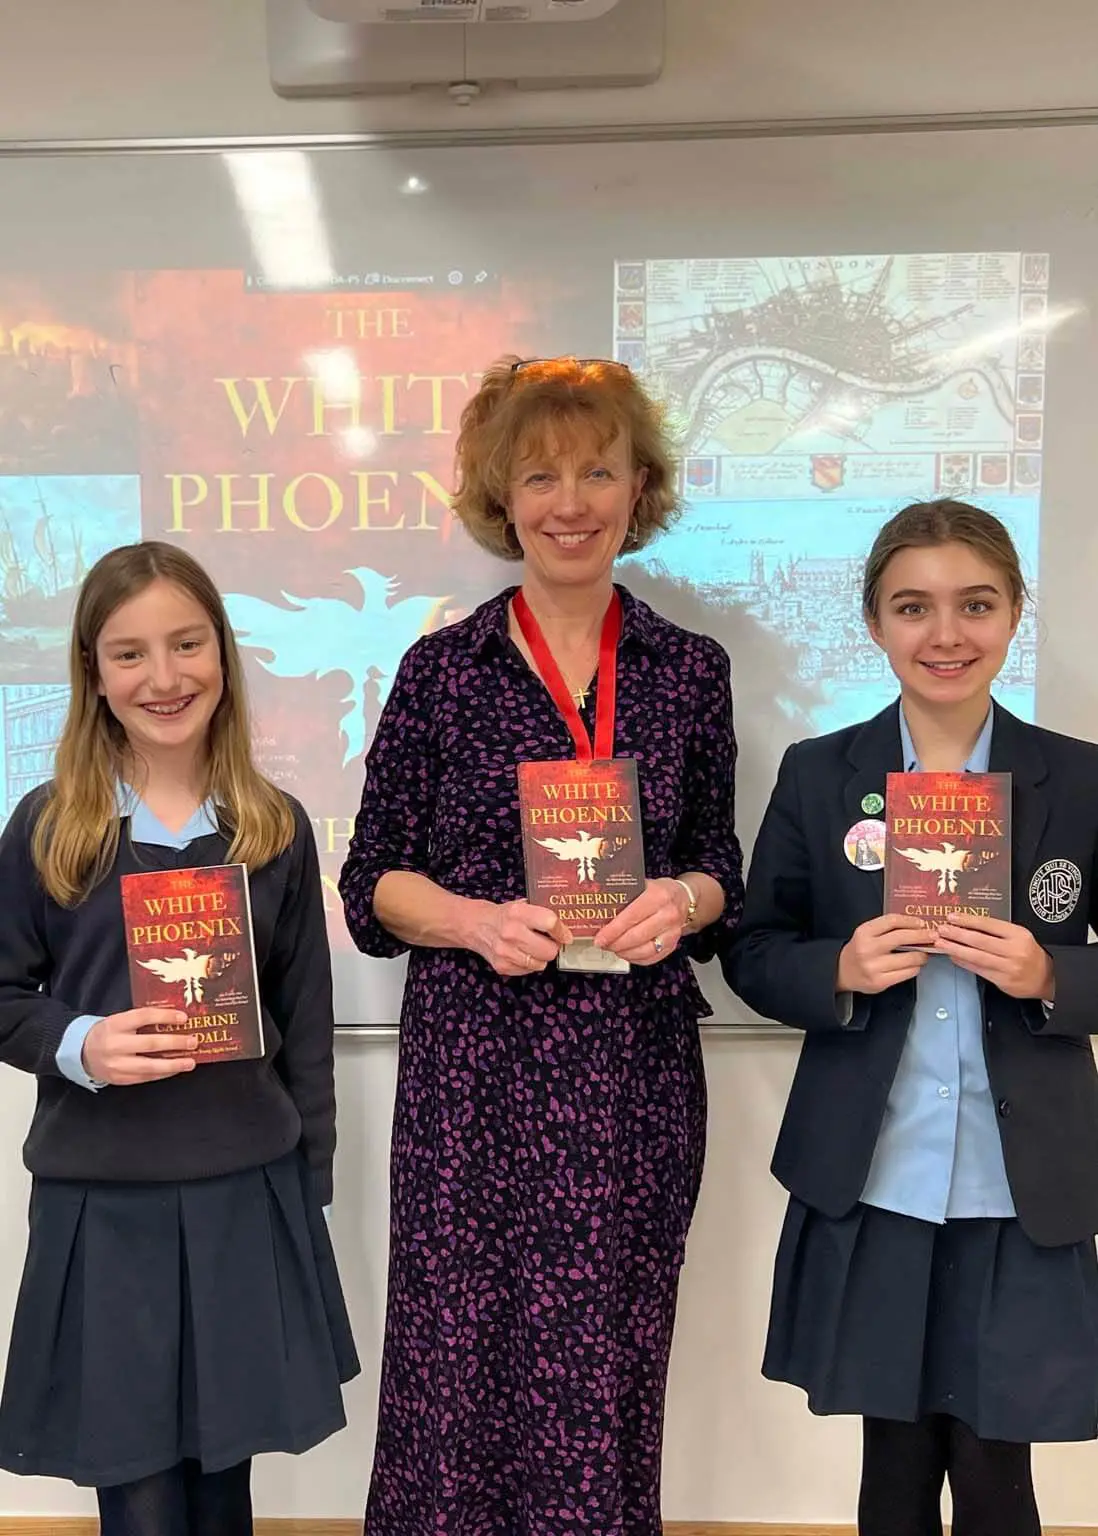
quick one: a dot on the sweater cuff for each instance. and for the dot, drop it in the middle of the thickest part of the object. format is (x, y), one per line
(323, 1184)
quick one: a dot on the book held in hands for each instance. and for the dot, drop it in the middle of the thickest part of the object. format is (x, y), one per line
(583, 848)
(191, 947)
(947, 845)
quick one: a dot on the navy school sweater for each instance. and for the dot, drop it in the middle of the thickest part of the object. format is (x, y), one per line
(57, 963)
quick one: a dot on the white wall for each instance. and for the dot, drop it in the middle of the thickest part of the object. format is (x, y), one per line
(737, 1448)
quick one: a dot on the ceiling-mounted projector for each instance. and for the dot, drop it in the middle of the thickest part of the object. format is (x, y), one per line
(371, 47)
(468, 12)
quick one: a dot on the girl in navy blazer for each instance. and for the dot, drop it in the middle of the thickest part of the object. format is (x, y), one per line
(936, 1271)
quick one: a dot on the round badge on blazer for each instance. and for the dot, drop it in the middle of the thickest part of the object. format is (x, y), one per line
(864, 844)
(873, 805)
(1055, 889)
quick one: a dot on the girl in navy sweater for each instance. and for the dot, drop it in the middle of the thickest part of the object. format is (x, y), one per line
(180, 1308)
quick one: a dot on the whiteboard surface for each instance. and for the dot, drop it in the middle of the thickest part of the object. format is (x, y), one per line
(158, 287)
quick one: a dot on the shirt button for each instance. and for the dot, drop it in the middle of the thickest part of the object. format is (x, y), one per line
(943, 1092)
(943, 1013)
(1004, 1107)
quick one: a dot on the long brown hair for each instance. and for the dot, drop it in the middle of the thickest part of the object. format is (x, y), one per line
(925, 523)
(76, 835)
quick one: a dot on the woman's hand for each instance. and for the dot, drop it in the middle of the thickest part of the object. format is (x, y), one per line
(517, 938)
(1005, 954)
(650, 927)
(869, 961)
(127, 1048)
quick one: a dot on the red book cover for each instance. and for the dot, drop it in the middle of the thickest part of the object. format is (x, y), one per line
(190, 944)
(582, 839)
(947, 845)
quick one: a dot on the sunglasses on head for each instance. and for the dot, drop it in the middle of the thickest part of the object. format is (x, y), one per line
(584, 362)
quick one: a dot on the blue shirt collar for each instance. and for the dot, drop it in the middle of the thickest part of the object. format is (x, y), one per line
(147, 828)
(978, 758)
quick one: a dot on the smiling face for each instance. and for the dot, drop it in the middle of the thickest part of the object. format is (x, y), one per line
(158, 662)
(571, 501)
(945, 619)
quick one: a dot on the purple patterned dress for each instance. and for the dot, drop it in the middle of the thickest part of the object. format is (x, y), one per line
(549, 1129)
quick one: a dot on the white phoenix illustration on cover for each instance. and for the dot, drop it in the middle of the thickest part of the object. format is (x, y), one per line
(583, 849)
(947, 862)
(189, 968)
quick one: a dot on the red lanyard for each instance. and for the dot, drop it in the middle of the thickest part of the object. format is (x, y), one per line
(558, 688)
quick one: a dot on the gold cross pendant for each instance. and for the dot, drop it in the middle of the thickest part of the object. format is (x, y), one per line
(580, 696)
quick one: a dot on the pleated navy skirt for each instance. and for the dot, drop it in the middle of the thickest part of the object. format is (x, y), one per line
(163, 1321)
(890, 1317)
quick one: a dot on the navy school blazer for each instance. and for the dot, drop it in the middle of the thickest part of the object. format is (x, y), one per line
(804, 901)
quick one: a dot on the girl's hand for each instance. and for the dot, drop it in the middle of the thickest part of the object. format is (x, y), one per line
(1005, 954)
(517, 938)
(651, 925)
(127, 1048)
(869, 961)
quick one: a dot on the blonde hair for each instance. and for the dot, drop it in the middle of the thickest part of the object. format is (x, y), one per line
(925, 523)
(517, 409)
(76, 835)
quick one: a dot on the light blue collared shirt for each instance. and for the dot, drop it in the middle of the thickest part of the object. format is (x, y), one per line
(939, 1155)
(144, 828)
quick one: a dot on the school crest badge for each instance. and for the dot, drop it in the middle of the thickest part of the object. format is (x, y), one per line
(1055, 889)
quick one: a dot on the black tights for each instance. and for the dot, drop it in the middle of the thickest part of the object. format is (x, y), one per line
(183, 1501)
(905, 1465)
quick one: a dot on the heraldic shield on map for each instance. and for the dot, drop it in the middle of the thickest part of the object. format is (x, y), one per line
(815, 396)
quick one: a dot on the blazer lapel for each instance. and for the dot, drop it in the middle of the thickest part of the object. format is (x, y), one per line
(874, 752)
(1015, 749)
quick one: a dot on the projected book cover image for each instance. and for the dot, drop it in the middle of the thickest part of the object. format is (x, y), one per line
(300, 445)
(190, 945)
(947, 845)
(582, 840)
